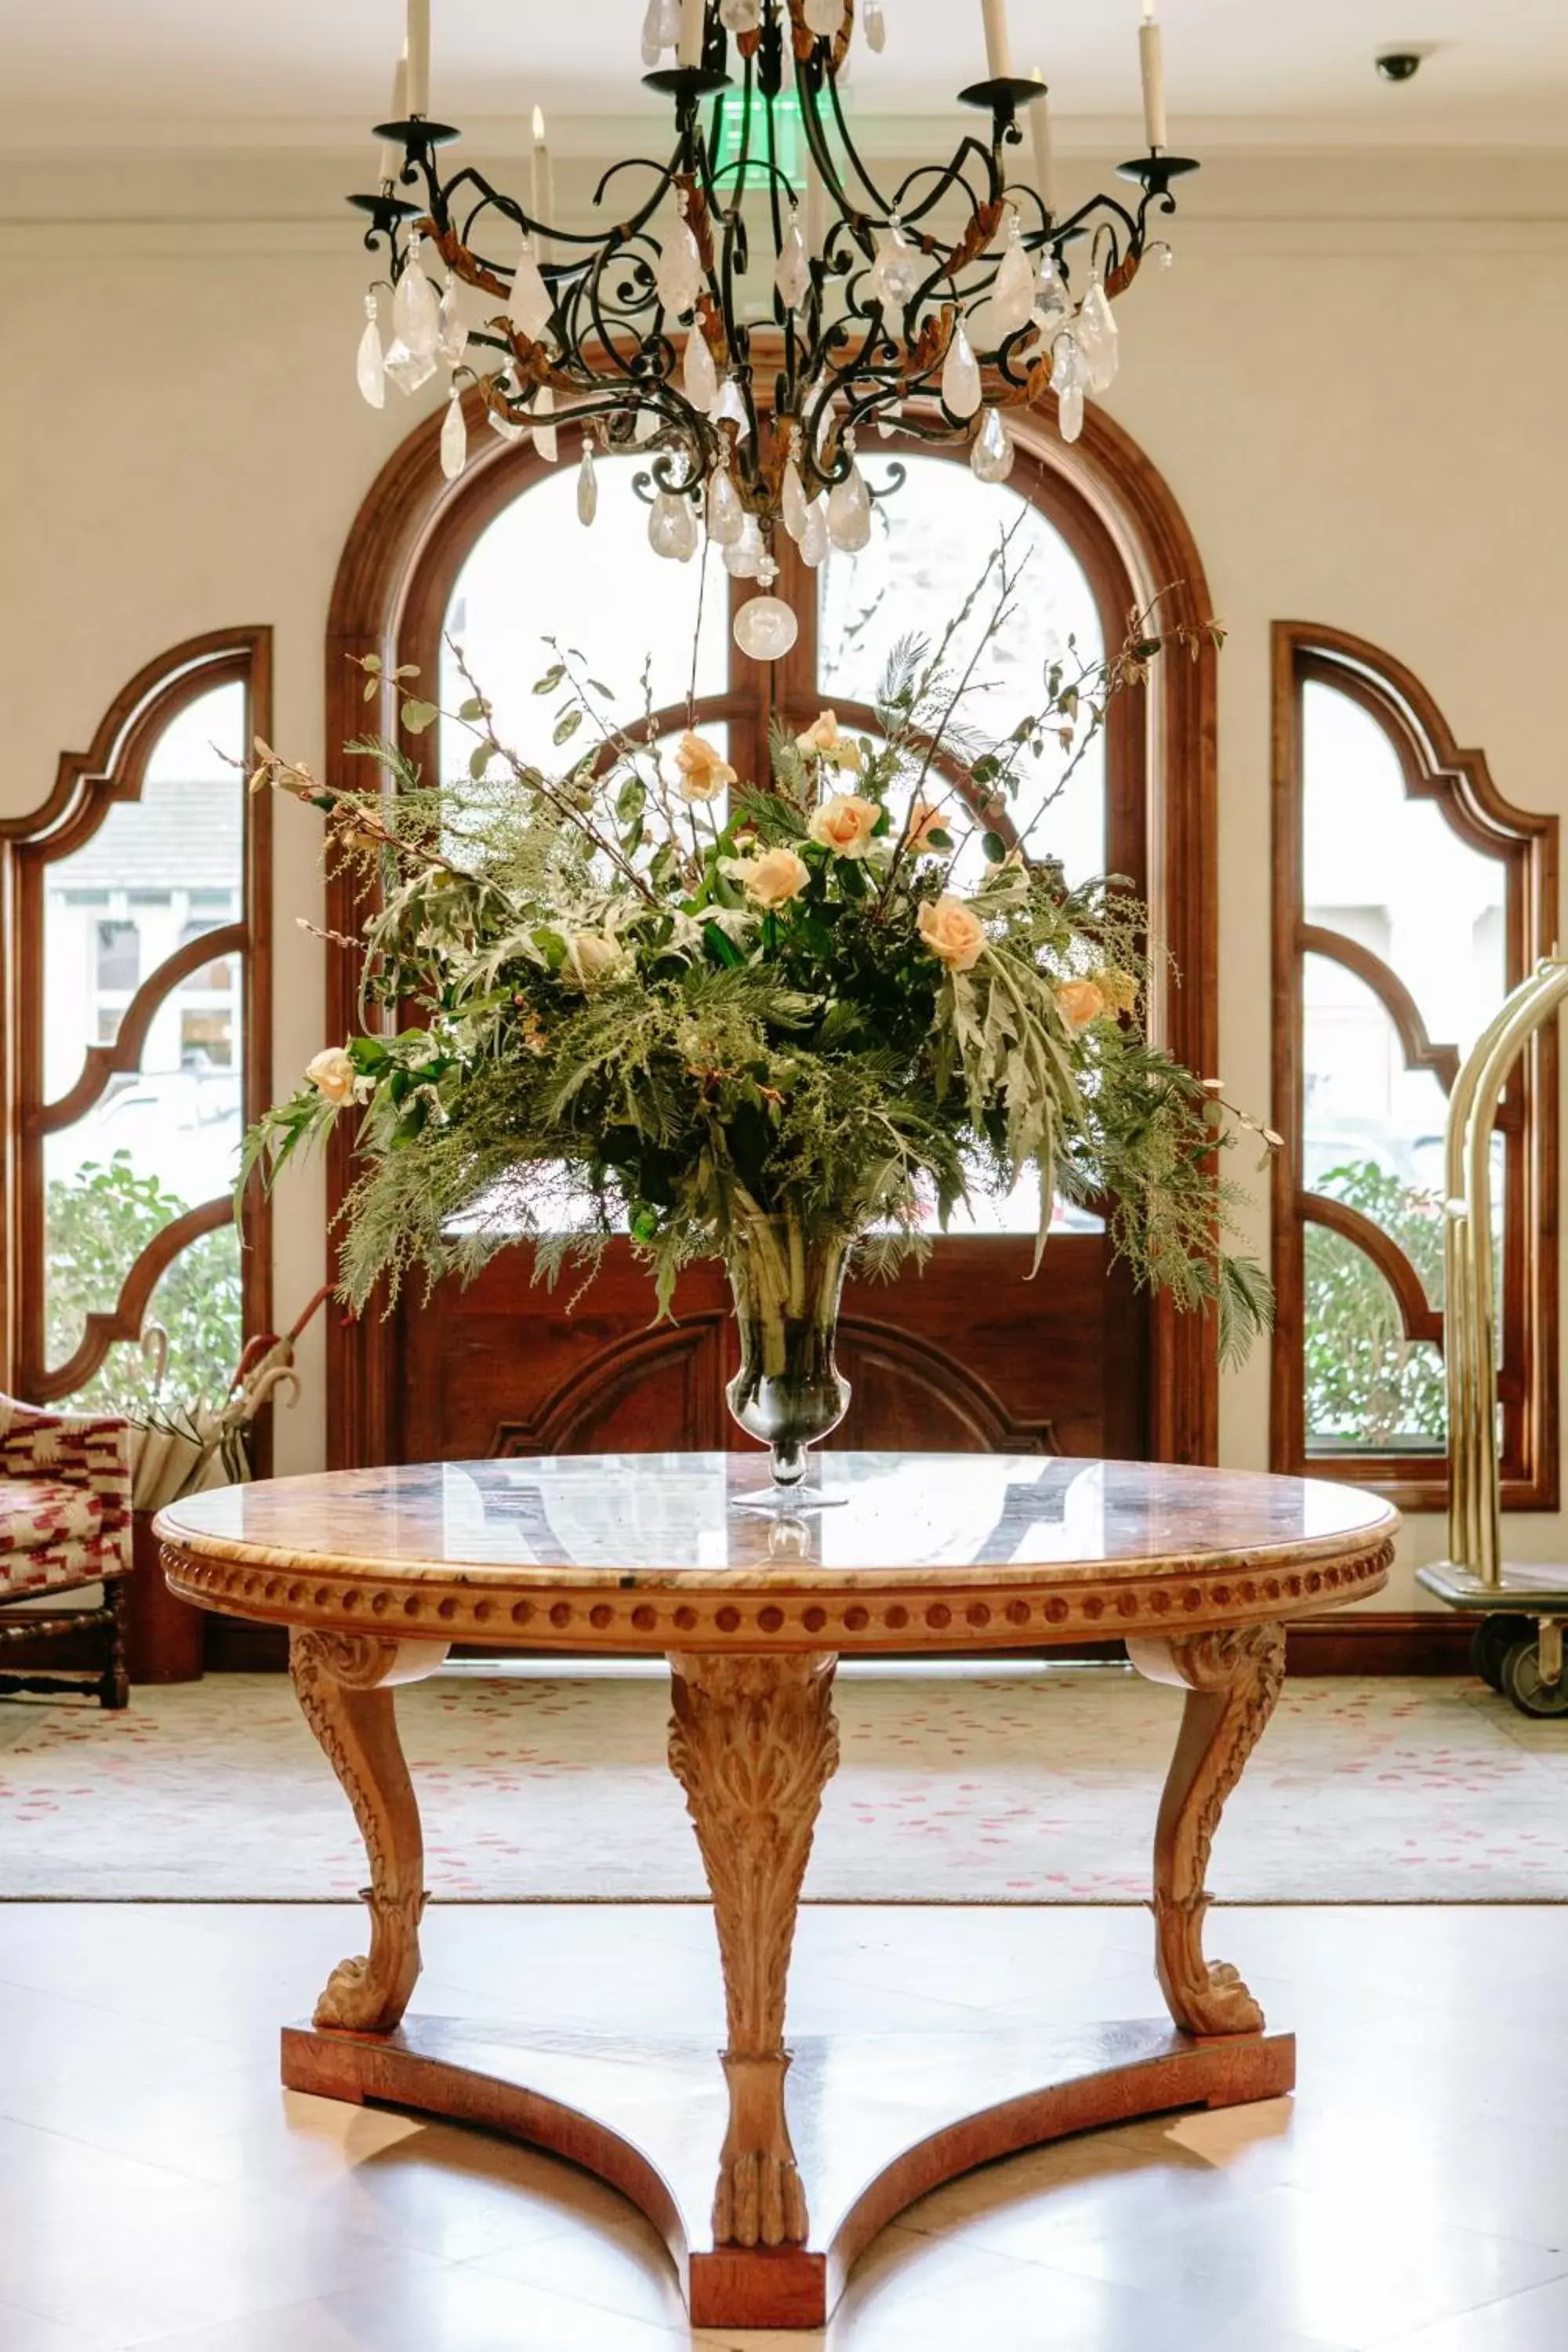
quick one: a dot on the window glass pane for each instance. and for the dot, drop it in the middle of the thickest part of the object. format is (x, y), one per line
(105, 1223)
(535, 574)
(1361, 1106)
(1392, 874)
(1368, 1388)
(930, 542)
(165, 1138)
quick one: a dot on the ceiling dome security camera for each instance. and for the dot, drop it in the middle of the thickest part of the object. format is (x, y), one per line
(1399, 65)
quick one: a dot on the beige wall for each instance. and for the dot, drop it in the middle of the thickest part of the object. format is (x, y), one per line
(1352, 378)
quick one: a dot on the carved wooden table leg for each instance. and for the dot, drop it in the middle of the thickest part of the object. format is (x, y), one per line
(1232, 1678)
(344, 1684)
(753, 1743)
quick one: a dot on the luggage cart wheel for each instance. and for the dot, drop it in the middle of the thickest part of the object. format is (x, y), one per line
(1534, 1674)
(1492, 1640)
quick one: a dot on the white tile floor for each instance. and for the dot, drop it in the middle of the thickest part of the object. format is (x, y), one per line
(157, 2188)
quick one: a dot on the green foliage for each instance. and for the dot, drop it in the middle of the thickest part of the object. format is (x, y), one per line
(97, 1225)
(1368, 1385)
(679, 1000)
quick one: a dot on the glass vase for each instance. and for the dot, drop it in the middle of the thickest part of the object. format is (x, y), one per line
(786, 1283)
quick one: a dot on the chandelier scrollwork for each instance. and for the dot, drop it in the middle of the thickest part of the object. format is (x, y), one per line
(746, 330)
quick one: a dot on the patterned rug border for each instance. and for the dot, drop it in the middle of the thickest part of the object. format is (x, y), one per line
(808, 1902)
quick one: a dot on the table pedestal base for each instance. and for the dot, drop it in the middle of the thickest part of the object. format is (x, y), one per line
(876, 2120)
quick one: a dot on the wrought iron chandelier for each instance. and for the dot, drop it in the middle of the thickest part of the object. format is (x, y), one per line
(743, 336)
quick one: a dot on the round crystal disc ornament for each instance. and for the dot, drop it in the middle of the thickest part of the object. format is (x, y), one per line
(765, 628)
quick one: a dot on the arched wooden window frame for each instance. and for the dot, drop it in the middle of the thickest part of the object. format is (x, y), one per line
(399, 565)
(1435, 768)
(88, 785)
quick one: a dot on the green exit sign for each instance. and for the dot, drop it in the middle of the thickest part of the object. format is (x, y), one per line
(789, 140)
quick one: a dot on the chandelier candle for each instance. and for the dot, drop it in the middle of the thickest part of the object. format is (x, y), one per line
(416, 48)
(391, 153)
(1152, 59)
(922, 307)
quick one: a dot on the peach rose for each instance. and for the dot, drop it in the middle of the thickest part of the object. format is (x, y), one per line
(952, 931)
(845, 824)
(332, 1074)
(1082, 1001)
(704, 772)
(772, 879)
(823, 740)
(924, 821)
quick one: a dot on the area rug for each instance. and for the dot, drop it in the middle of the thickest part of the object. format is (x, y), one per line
(1002, 1790)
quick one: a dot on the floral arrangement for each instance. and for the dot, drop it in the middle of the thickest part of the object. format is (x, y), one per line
(647, 995)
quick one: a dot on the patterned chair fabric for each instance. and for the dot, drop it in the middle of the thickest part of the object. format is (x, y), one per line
(65, 1519)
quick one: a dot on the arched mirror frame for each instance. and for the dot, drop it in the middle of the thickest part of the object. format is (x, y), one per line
(1434, 767)
(1122, 521)
(88, 785)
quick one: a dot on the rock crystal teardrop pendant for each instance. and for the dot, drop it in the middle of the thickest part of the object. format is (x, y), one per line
(791, 276)
(587, 485)
(1099, 338)
(849, 512)
(453, 339)
(814, 540)
(672, 527)
(742, 558)
(370, 361)
(795, 505)
(416, 307)
(991, 460)
(1013, 294)
(454, 438)
(726, 515)
(679, 276)
(961, 387)
(765, 627)
(823, 17)
(698, 375)
(875, 26)
(530, 306)
(897, 271)
(546, 440)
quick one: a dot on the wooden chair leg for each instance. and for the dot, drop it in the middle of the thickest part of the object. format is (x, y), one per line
(115, 1686)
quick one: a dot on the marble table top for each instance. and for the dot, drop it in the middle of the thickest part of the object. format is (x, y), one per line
(644, 1550)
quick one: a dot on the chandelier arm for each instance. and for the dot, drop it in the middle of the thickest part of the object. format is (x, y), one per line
(816, 140)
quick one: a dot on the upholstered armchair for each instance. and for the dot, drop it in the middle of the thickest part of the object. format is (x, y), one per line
(65, 1523)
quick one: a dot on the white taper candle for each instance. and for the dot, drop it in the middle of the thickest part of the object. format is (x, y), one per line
(1038, 116)
(692, 16)
(418, 48)
(998, 55)
(391, 149)
(542, 205)
(1152, 59)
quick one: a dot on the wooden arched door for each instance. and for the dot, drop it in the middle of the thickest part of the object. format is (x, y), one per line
(968, 1354)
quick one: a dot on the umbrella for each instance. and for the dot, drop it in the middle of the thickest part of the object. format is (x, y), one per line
(182, 1449)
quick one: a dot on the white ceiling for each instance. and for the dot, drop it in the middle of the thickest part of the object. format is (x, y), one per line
(310, 72)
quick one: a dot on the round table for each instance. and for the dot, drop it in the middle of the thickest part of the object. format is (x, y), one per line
(378, 1572)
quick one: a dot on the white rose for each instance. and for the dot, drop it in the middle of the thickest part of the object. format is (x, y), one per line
(594, 957)
(332, 1074)
(952, 931)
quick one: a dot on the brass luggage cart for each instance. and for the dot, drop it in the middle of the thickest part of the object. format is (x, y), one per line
(1518, 1607)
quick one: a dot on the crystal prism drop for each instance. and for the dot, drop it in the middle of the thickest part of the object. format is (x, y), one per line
(742, 557)
(452, 340)
(679, 276)
(1069, 412)
(672, 527)
(794, 502)
(506, 427)
(700, 376)
(991, 460)
(876, 27)
(740, 15)
(961, 387)
(1067, 371)
(649, 421)
(668, 24)
(823, 17)
(888, 419)
(849, 512)
(454, 439)
(730, 408)
(531, 308)
(814, 540)
(417, 309)
(545, 439)
(897, 271)
(370, 364)
(408, 369)
(1099, 338)
(652, 34)
(726, 515)
(765, 627)
(792, 275)
(587, 485)
(1013, 295)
